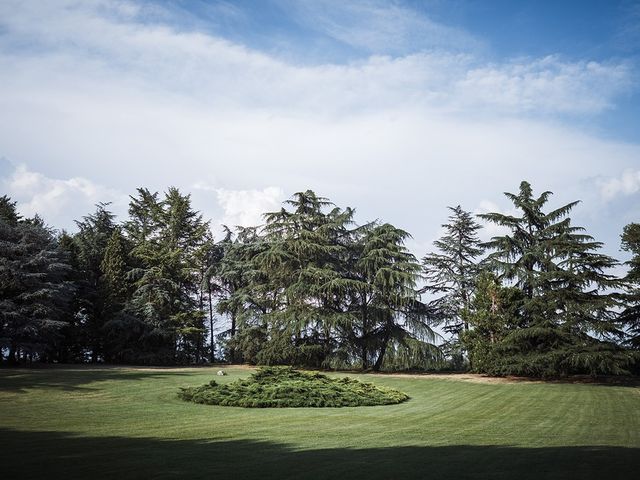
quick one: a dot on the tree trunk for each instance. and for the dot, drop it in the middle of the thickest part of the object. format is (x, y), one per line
(365, 333)
(232, 351)
(12, 354)
(213, 351)
(365, 356)
(383, 349)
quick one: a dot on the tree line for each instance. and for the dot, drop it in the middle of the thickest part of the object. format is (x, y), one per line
(311, 287)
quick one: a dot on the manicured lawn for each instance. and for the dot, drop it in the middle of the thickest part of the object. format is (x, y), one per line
(129, 423)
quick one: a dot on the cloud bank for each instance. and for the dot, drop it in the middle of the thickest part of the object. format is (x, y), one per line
(100, 97)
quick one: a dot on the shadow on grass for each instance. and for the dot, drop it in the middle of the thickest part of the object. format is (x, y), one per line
(19, 380)
(59, 455)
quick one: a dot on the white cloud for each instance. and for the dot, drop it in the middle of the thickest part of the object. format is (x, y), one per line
(246, 207)
(626, 184)
(544, 85)
(490, 229)
(379, 26)
(115, 43)
(58, 201)
(111, 94)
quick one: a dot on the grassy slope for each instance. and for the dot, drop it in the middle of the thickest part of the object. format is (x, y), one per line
(108, 423)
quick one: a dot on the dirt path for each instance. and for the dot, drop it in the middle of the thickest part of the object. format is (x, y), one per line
(463, 377)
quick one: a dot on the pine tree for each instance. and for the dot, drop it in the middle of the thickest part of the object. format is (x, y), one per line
(208, 258)
(630, 316)
(8, 211)
(233, 282)
(114, 268)
(451, 273)
(72, 346)
(311, 288)
(34, 286)
(166, 236)
(94, 232)
(294, 273)
(567, 316)
(393, 318)
(121, 330)
(493, 313)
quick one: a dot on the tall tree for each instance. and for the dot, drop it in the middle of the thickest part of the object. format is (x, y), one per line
(232, 282)
(567, 314)
(393, 315)
(494, 312)
(94, 232)
(166, 236)
(451, 273)
(34, 286)
(293, 272)
(630, 316)
(121, 330)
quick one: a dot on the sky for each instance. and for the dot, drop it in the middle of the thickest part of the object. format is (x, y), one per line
(396, 108)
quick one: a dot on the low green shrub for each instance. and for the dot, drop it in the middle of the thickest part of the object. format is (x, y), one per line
(278, 387)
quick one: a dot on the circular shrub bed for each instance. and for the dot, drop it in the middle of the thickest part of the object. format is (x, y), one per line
(286, 387)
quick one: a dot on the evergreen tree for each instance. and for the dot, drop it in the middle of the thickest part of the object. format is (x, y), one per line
(72, 346)
(393, 318)
(451, 274)
(166, 236)
(208, 258)
(121, 329)
(8, 212)
(94, 232)
(240, 290)
(567, 316)
(630, 316)
(34, 287)
(493, 313)
(312, 289)
(292, 277)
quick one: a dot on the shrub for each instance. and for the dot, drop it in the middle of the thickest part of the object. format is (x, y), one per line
(282, 387)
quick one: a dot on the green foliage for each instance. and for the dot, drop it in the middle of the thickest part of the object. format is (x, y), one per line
(565, 321)
(35, 287)
(630, 316)
(8, 212)
(451, 275)
(495, 313)
(94, 233)
(278, 387)
(312, 289)
(168, 237)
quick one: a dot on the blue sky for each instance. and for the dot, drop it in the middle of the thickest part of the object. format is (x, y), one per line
(396, 108)
(603, 31)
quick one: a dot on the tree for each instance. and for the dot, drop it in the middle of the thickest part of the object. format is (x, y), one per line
(121, 330)
(630, 316)
(310, 288)
(392, 314)
(567, 315)
(292, 277)
(493, 313)
(451, 273)
(34, 287)
(208, 257)
(94, 232)
(8, 212)
(166, 236)
(232, 281)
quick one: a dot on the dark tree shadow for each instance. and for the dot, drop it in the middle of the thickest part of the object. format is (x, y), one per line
(18, 380)
(58, 455)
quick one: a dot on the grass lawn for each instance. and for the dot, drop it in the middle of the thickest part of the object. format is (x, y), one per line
(129, 423)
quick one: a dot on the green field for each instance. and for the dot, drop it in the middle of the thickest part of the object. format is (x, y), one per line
(129, 423)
